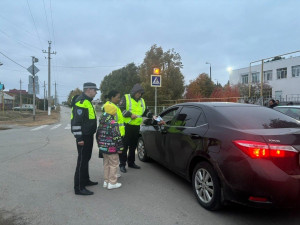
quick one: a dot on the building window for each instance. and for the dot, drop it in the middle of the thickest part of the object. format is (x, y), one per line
(295, 71)
(281, 73)
(267, 75)
(255, 77)
(245, 79)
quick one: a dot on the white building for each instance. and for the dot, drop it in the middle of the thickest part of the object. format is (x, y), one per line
(282, 75)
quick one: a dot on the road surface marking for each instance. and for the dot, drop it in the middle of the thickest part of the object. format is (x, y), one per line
(68, 127)
(38, 128)
(56, 126)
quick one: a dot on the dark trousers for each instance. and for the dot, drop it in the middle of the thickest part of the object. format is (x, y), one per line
(130, 142)
(82, 169)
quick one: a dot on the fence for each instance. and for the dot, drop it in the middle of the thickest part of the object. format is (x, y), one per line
(295, 98)
(253, 100)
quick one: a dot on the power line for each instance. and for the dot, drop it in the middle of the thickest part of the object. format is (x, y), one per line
(52, 24)
(47, 20)
(85, 67)
(12, 70)
(34, 25)
(54, 42)
(12, 60)
(20, 42)
(18, 27)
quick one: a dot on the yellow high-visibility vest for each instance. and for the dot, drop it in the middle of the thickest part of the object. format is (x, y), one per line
(86, 104)
(135, 107)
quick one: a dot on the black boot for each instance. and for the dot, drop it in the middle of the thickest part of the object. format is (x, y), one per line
(134, 166)
(123, 169)
(91, 183)
(83, 191)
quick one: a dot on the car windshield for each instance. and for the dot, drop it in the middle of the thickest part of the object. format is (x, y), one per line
(257, 118)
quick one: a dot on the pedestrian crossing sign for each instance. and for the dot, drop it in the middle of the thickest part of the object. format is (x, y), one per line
(155, 80)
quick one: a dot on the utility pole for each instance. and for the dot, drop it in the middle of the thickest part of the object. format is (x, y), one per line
(33, 76)
(20, 95)
(44, 96)
(55, 100)
(2, 101)
(2, 93)
(49, 77)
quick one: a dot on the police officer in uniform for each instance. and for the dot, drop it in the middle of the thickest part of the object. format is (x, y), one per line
(133, 109)
(83, 126)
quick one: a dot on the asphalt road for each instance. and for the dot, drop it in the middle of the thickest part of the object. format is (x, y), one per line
(37, 167)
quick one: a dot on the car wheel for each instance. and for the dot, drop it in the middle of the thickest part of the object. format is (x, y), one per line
(206, 186)
(141, 150)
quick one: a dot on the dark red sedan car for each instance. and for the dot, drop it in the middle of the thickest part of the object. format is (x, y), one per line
(230, 152)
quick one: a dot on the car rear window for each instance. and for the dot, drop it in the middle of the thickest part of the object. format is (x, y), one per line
(257, 118)
(292, 112)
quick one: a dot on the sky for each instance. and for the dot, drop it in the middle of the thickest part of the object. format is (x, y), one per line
(93, 38)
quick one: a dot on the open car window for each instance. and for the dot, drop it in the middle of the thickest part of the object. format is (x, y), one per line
(169, 115)
(189, 117)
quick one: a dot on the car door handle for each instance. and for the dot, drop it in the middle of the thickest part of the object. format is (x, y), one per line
(163, 131)
(195, 136)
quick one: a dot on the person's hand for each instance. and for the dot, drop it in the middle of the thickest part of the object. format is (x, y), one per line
(133, 116)
(119, 152)
(81, 143)
(161, 122)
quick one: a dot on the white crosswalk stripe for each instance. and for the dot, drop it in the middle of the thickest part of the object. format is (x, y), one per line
(38, 128)
(56, 126)
(68, 127)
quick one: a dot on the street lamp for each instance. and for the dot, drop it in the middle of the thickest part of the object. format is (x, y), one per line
(229, 69)
(209, 69)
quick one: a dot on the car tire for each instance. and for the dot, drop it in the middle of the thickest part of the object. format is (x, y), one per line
(141, 151)
(206, 186)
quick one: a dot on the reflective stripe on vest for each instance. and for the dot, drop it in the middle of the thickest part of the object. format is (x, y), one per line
(118, 117)
(72, 113)
(136, 108)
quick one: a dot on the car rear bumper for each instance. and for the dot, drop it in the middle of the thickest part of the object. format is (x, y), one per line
(266, 181)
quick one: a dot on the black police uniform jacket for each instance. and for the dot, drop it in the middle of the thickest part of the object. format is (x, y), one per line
(83, 117)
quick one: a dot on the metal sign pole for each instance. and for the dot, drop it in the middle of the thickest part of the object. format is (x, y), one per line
(2, 102)
(155, 82)
(155, 104)
(33, 89)
(33, 70)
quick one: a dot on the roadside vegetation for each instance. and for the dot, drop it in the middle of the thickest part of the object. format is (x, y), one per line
(8, 218)
(25, 118)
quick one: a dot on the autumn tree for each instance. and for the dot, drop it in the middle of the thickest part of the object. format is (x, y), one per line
(201, 87)
(122, 80)
(231, 92)
(218, 92)
(77, 91)
(254, 90)
(172, 79)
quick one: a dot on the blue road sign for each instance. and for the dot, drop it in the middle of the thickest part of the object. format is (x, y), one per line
(155, 80)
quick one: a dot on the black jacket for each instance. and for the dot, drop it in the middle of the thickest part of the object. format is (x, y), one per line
(81, 124)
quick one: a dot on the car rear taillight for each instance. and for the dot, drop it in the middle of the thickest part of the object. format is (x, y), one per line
(258, 199)
(258, 150)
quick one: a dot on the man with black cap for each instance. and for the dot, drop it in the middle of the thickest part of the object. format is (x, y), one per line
(83, 126)
(133, 108)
